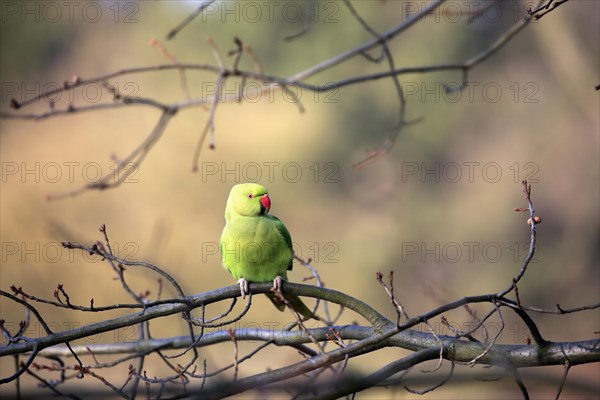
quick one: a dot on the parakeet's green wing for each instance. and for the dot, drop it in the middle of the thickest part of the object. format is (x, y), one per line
(286, 236)
(295, 302)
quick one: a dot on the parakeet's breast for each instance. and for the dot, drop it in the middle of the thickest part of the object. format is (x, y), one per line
(255, 249)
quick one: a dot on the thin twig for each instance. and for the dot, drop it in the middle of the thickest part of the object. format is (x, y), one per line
(390, 292)
(231, 333)
(173, 32)
(540, 11)
(564, 377)
(182, 76)
(308, 19)
(437, 385)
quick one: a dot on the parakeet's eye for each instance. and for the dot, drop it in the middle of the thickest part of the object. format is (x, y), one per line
(250, 195)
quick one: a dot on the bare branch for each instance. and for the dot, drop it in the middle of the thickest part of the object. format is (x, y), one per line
(189, 19)
(307, 22)
(438, 385)
(540, 11)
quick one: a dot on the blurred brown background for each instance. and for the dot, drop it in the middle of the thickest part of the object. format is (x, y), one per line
(437, 209)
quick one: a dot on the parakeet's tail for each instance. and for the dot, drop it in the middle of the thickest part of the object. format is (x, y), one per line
(294, 302)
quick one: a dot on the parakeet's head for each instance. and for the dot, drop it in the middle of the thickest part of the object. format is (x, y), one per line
(248, 199)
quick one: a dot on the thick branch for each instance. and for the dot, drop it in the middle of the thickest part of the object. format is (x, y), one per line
(191, 302)
(580, 352)
(519, 355)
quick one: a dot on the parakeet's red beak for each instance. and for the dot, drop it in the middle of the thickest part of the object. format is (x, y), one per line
(265, 201)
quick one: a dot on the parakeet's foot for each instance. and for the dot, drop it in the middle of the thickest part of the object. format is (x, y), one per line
(244, 289)
(277, 282)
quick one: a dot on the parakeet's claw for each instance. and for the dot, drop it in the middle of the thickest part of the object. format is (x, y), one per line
(244, 289)
(277, 283)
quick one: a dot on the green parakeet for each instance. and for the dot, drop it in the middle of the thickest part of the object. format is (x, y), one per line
(256, 246)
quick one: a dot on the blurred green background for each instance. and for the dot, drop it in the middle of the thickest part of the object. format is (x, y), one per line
(437, 210)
